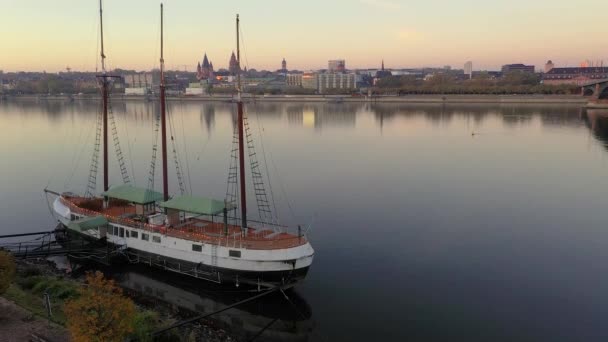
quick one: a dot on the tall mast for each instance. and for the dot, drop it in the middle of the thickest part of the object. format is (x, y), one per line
(163, 120)
(104, 95)
(241, 133)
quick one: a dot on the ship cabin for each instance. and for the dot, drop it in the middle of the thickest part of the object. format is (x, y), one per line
(133, 203)
(197, 214)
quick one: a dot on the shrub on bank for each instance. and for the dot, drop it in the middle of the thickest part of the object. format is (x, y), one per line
(7, 271)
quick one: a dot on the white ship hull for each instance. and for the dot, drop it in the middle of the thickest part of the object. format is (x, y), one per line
(213, 262)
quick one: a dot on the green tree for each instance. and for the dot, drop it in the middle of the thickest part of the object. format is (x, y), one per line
(7, 270)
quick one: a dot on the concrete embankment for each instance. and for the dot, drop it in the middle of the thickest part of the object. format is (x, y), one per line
(490, 99)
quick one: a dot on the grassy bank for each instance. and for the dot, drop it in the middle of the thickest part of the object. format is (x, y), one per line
(28, 292)
(32, 281)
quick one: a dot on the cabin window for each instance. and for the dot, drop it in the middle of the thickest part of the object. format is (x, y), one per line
(134, 234)
(126, 233)
(145, 236)
(234, 254)
(197, 248)
(121, 232)
(156, 239)
(72, 217)
(115, 231)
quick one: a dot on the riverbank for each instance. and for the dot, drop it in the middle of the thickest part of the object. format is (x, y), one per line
(23, 314)
(438, 99)
(18, 324)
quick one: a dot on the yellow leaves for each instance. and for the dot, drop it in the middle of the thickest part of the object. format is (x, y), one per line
(101, 313)
(7, 270)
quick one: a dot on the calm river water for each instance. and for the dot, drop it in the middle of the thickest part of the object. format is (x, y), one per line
(430, 222)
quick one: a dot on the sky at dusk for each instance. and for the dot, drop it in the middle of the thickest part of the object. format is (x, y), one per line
(39, 35)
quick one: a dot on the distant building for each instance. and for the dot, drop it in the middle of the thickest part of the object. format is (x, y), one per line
(294, 80)
(517, 67)
(468, 69)
(380, 74)
(336, 81)
(309, 80)
(574, 76)
(548, 66)
(323, 81)
(195, 89)
(233, 65)
(205, 71)
(139, 80)
(336, 65)
(284, 64)
(137, 91)
(139, 83)
(489, 74)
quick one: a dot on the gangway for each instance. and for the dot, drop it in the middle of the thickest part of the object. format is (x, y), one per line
(53, 243)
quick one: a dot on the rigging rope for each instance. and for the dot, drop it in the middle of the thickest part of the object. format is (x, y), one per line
(186, 151)
(119, 156)
(260, 129)
(92, 181)
(282, 189)
(232, 194)
(257, 178)
(77, 155)
(180, 178)
(151, 174)
(126, 123)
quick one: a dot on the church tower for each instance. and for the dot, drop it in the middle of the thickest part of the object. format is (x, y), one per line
(233, 64)
(204, 71)
(284, 65)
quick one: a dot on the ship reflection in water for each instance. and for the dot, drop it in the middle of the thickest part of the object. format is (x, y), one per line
(597, 121)
(293, 321)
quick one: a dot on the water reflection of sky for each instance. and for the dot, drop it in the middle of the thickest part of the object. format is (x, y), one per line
(430, 222)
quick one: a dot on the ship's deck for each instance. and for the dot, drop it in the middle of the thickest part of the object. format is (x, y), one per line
(210, 231)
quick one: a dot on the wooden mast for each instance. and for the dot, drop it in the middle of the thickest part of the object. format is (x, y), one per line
(104, 95)
(241, 133)
(163, 120)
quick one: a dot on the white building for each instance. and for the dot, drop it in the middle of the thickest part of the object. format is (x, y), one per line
(323, 81)
(136, 91)
(328, 81)
(140, 80)
(468, 69)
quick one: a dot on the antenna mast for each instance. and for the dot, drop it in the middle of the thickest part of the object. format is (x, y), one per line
(163, 120)
(241, 133)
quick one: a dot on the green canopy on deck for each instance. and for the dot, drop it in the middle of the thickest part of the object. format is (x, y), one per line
(133, 194)
(88, 223)
(197, 205)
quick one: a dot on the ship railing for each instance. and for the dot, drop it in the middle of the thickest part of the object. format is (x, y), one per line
(253, 240)
(114, 219)
(237, 240)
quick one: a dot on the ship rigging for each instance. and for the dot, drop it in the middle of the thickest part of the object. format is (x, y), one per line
(187, 234)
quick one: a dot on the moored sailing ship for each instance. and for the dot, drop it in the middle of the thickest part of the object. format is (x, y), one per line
(198, 236)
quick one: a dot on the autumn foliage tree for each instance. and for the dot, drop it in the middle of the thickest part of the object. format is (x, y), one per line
(7, 271)
(101, 312)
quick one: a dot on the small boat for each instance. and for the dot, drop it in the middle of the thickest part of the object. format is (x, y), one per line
(202, 237)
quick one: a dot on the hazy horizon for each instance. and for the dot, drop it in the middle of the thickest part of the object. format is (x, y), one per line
(307, 34)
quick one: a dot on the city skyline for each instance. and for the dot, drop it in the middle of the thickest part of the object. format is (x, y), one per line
(307, 35)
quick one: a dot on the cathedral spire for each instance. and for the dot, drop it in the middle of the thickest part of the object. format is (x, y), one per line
(205, 61)
(233, 65)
